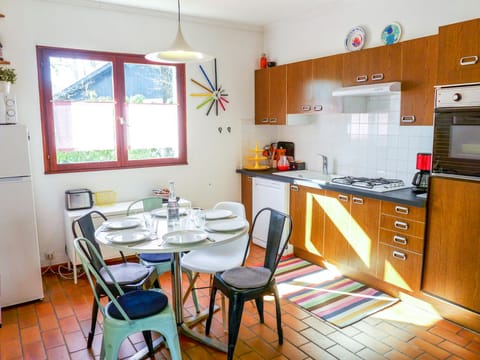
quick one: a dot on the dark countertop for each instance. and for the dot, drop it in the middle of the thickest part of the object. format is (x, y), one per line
(405, 196)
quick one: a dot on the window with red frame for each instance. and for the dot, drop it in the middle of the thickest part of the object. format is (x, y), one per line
(108, 111)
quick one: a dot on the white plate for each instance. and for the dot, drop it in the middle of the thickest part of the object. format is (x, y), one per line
(182, 237)
(126, 237)
(214, 214)
(355, 39)
(163, 212)
(122, 224)
(225, 225)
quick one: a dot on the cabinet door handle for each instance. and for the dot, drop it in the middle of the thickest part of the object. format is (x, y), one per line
(357, 200)
(294, 187)
(401, 209)
(273, 120)
(264, 121)
(399, 255)
(407, 119)
(343, 198)
(377, 77)
(317, 108)
(306, 108)
(400, 240)
(362, 78)
(469, 60)
(400, 225)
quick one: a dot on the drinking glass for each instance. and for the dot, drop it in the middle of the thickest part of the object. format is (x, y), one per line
(199, 218)
(151, 223)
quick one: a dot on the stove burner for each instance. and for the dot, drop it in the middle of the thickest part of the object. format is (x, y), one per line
(369, 183)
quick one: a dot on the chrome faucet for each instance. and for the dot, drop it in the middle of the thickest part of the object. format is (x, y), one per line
(325, 164)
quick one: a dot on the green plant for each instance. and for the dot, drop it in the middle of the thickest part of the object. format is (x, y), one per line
(8, 74)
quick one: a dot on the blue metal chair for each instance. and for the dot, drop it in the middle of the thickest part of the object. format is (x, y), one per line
(161, 261)
(130, 312)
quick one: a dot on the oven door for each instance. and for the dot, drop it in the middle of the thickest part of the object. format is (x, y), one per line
(456, 142)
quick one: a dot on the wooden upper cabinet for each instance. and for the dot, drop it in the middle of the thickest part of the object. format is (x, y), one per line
(459, 53)
(327, 75)
(271, 96)
(310, 84)
(374, 65)
(419, 74)
(299, 87)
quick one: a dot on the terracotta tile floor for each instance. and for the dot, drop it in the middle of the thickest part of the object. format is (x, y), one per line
(56, 328)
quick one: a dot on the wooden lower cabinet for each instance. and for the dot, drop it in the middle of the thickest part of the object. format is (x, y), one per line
(401, 239)
(351, 231)
(247, 196)
(308, 218)
(452, 265)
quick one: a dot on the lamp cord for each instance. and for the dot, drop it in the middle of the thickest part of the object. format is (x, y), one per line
(178, 11)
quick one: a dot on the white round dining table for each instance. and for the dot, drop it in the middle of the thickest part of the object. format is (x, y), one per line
(158, 243)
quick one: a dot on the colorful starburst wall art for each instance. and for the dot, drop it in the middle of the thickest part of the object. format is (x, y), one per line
(212, 94)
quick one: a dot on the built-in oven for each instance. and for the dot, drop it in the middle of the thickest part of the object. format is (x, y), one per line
(456, 140)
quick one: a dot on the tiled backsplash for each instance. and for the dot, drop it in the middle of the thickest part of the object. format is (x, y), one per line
(361, 144)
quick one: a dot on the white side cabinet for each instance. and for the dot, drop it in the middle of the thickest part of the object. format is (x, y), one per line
(116, 210)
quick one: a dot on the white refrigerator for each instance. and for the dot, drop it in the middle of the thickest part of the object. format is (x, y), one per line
(20, 271)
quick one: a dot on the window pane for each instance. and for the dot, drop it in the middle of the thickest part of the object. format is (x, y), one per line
(151, 111)
(83, 110)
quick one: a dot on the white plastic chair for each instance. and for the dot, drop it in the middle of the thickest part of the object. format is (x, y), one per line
(217, 258)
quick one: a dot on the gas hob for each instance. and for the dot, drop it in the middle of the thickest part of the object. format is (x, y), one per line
(371, 184)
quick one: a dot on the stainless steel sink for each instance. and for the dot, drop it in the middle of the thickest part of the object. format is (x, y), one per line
(309, 175)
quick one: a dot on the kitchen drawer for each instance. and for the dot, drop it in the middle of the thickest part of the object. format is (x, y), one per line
(399, 267)
(403, 226)
(403, 211)
(401, 240)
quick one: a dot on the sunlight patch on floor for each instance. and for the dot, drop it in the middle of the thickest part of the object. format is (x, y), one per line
(409, 314)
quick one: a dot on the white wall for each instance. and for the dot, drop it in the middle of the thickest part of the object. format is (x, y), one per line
(212, 157)
(361, 145)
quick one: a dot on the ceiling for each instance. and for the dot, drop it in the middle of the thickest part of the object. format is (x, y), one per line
(248, 12)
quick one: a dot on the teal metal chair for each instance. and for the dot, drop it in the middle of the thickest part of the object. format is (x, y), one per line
(161, 261)
(128, 313)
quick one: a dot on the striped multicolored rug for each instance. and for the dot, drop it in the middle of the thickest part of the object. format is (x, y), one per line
(333, 297)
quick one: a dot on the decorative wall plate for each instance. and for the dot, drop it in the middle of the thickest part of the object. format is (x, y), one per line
(355, 39)
(391, 34)
(215, 95)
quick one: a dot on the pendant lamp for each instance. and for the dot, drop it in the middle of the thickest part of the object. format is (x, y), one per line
(179, 51)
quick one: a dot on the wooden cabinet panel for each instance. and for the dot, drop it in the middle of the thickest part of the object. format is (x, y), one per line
(401, 240)
(247, 196)
(419, 73)
(262, 96)
(403, 211)
(403, 226)
(278, 95)
(337, 227)
(459, 53)
(327, 76)
(271, 96)
(299, 87)
(364, 233)
(374, 65)
(399, 267)
(451, 269)
(308, 218)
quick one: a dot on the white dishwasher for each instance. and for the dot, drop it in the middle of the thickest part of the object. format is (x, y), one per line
(268, 193)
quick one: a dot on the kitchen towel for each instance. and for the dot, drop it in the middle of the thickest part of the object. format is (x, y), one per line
(330, 296)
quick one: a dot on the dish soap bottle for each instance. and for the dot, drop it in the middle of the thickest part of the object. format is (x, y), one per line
(173, 211)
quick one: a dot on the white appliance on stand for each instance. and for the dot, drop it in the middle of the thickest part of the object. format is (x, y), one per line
(273, 194)
(20, 272)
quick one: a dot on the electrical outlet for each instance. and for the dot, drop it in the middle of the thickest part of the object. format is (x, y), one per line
(49, 255)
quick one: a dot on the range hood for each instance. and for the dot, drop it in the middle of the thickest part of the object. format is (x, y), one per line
(389, 88)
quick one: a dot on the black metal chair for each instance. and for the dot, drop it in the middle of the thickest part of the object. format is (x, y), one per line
(129, 275)
(245, 283)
